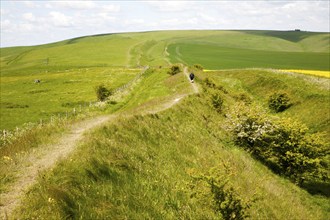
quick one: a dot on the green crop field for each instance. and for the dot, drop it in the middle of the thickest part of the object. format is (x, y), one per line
(217, 57)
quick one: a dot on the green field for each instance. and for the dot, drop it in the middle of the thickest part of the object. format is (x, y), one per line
(218, 57)
(23, 100)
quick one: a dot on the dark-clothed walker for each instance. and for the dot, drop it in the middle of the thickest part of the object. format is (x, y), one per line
(191, 77)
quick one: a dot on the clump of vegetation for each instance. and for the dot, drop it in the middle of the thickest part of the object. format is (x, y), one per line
(279, 102)
(283, 144)
(210, 84)
(217, 101)
(102, 92)
(215, 188)
(245, 98)
(175, 69)
(198, 66)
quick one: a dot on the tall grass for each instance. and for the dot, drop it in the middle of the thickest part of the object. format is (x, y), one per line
(143, 167)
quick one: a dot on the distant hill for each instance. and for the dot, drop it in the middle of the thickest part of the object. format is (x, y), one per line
(212, 49)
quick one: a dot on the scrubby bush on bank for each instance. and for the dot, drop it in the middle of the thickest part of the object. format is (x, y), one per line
(279, 102)
(215, 189)
(174, 70)
(217, 102)
(210, 84)
(198, 67)
(283, 144)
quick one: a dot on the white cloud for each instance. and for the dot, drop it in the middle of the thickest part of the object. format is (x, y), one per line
(26, 27)
(111, 8)
(76, 5)
(105, 17)
(5, 25)
(170, 6)
(60, 20)
(134, 21)
(31, 4)
(29, 17)
(206, 17)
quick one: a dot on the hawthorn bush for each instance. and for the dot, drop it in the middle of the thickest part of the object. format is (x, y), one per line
(283, 144)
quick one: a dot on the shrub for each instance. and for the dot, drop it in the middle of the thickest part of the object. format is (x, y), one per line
(227, 202)
(174, 70)
(220, 194)
(279, 102)
(102, 92)
(244, 98)
(198, 66)
(217, 101)
(209, 83)
(283, 144)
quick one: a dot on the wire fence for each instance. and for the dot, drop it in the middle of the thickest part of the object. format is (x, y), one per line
(130, 83)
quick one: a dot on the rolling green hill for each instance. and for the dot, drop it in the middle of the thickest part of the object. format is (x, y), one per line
(213, 49)
(167, 153)
(101, 53)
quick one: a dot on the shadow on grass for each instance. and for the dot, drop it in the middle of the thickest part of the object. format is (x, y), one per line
(317, 188)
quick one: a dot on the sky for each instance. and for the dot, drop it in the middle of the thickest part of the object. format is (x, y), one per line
(26, 23)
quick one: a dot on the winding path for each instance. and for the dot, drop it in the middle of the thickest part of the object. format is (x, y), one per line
(47, 157)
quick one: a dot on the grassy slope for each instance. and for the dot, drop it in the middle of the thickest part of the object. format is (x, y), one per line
(129, 169)
(310, 100)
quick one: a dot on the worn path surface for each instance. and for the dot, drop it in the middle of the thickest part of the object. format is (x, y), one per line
(47, 156)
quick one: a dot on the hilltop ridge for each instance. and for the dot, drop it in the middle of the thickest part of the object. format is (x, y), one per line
(251, 49)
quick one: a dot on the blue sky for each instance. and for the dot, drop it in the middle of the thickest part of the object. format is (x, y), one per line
(39, 22)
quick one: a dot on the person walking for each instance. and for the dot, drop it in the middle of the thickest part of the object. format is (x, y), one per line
(192, 76)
